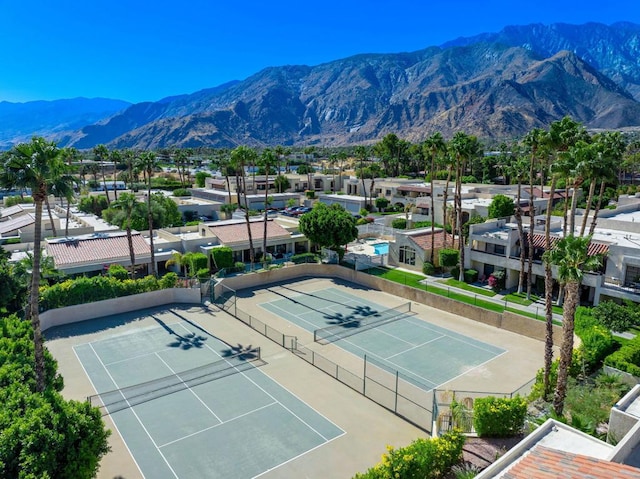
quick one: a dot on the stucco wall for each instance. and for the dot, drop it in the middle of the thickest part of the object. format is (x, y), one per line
(511, 322)
(82, 312)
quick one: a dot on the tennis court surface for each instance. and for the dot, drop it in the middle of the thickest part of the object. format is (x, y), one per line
(190, 406)
(393, 339)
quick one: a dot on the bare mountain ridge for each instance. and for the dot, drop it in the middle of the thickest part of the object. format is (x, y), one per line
(488, 89)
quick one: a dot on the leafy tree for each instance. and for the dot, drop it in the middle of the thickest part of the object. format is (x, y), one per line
(501, 206)
(42, 435)
(93, 205)
(616, 317)
(31, 165)
(329, 226)
(305, 169)
(382, 203)
(201, 177)
(281, 183)
(571, 257)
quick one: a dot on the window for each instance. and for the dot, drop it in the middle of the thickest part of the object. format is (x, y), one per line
(407, 255)
(387, 192)
(632, 275)
(498, 249)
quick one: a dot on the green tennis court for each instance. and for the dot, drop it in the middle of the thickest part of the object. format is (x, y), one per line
(426, 354)
(188, 405)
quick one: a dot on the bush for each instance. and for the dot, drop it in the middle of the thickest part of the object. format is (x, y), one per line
(423, 458)
(118, 271)
(399, 224)
(181, 192)
(203, 273)
(469, 179)
(627, 358)
(310, 194)
(428, 268)
(497, 280)
(169, 280)
(305, 258)
(597, 340)
(470, 276)
(455, 272)
(448, 257)
(499, 417)
(222, 257)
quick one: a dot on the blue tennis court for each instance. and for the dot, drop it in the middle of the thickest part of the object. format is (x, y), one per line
(425, 353)
(233, 421)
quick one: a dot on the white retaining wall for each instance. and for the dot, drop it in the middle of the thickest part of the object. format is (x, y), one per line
(82, 312)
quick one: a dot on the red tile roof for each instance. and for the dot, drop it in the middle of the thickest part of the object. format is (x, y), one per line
(96, 250)
(423, 240)
(594, 246)
(545, 463)
(237, 233)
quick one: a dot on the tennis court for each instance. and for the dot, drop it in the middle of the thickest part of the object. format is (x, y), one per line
(396, 339)
(190, 406)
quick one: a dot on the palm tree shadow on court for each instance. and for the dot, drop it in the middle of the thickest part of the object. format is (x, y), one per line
(353, 320)
(186, 341)
(240, 351)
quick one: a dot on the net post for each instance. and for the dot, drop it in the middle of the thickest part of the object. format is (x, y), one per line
(364, 377)
(396, 404)
(409, 306)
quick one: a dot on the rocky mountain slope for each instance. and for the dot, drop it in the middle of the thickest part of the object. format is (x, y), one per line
(497, 85)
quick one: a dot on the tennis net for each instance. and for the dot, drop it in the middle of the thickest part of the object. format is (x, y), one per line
(355, 326)
(119, 399)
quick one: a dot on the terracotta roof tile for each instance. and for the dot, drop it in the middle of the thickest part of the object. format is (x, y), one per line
(237, 233)
(545, 463)
(423, 240)
(594, 247)
(96, 250)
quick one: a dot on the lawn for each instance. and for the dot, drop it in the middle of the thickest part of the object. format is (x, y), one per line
(467, 287)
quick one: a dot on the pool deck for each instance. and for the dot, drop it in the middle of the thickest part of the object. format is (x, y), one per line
(365, 246)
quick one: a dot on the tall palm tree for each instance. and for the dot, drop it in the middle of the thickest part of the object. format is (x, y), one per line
(610, 147)
(517, 168)
(570, 256)
(148, 162)
(434, 146)
(61, 184)
(362, 154)
(102, 153)
(240, 158)
(127, 202)
(464, 147)
(30, 165)
(267, 160)
(116, 157)
(70, 155)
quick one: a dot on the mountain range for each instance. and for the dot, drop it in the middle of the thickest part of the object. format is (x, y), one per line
(494, 85)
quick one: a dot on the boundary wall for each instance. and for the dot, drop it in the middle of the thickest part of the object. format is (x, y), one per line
(508, 321)
(124, 304)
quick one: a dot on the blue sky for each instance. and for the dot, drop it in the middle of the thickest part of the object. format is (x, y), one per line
(141, 51)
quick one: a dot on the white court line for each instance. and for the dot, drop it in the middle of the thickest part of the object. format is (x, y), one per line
(189, 388)
(314, 326)
(134, 413)
(218, 425)
(475, 367)
(112, 420)
(414, 347)
(268, 394)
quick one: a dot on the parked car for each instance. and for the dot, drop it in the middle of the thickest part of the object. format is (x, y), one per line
(290, 211)
(302, 210)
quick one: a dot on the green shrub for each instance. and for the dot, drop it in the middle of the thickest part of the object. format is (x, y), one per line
(193, 223)
(310, 194)
(399, 224)
(499, 417)
(15, 200)
(118, 271)
(222, 257)
(455, 272)
(597, 340)
(428, 268)
(203, 273)
(9, 241)
(169, 280)
(181, 192)
(448, 257)
(305, 258)
(470, 276)
(423, 458)
(627, 358)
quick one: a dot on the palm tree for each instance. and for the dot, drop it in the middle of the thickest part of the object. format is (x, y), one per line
(267, 160)
(116, 158)
(30, 165)
(463, 147)
(570, 255)
(102, 153)
(434, 146)
(148, 163)
(517, 167)
(241, 157)
(362, 153)
(610, 147)
(127, 203)
(70, 155)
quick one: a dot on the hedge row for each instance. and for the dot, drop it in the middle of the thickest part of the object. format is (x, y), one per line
(423, 458)
(627, 358)
(597, 341)
(97, 288)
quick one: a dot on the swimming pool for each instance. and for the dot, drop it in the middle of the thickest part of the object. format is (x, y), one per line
(381, 248)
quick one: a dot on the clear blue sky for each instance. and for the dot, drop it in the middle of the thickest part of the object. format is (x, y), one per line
(139, 51)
